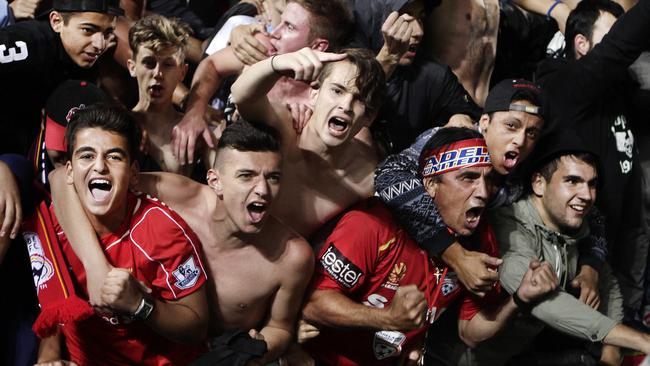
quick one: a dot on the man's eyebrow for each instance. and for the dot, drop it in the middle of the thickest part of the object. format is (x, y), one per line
(91, 25)
(344, 88)
(83, 149)
(468, 174)
(117, 150)
(574, 177)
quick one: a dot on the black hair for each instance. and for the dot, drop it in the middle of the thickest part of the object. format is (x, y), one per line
(446, 136)
(550, 167)
(108, 118)
(582, 20)
(247, 136)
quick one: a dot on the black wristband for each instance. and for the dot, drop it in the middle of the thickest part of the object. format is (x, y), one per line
(524, 307)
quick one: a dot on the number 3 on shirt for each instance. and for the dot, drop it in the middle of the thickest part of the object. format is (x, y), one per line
(11, 55)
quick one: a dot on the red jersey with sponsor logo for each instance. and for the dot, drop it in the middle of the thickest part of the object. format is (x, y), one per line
(367, 257)
(159, 249)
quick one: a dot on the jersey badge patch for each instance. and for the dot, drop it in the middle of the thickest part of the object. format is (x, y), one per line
(186, 274)
(388, 344)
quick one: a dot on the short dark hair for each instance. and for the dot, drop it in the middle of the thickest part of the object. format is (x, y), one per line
(330, 19)
(67, 15)
(582, 20)
(547, 170)
(446, 136)
(369, 79)
(247, 136)
(108, 118)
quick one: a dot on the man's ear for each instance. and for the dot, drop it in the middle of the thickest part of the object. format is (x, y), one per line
(581, 45)
(68, 173)
(185, 68)
(319, 44)
(56, 21)
(538, 184)
(214, 181)
(130, 64)
(313, 94)
(134, 170)
(431, 185)
(483, 123)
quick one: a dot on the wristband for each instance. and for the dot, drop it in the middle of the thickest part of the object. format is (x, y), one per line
(144, 310)
(273, 67)
(523, 307)
(548, 12)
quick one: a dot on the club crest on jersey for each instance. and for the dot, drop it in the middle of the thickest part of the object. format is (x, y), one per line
(449, 284)
(396, 275)
(42, 268)
(186, 274)
(387, 344)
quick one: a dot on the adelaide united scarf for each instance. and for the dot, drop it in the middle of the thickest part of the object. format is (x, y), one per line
(54, 287)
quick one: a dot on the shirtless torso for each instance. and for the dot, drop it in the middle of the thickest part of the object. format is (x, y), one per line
(464, 37)
(159, 131)
(315, 189)
(246, 271)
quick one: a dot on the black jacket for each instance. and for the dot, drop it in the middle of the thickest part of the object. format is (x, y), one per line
(420, 96)
(589, 96)
(32, 63)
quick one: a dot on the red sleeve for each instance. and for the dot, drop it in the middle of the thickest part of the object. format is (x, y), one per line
(173, 251)
(349, 254)
(472, 304)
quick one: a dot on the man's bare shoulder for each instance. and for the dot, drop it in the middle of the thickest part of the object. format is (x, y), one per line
(295, 255)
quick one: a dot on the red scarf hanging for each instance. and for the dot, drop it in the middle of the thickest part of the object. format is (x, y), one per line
(55, 289)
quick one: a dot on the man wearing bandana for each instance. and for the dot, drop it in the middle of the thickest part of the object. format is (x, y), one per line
(375, 292)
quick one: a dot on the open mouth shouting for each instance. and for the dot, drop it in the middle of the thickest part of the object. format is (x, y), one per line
(100, 189)
(256, 211)
(510, 159)
(155, 91)
(338, 126)
(473, 216)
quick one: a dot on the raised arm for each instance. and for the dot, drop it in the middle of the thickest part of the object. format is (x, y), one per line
(205, 83)
(558, 10)
(249, 91)
(80, 234)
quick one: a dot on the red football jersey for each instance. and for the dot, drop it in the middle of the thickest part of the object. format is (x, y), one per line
(160, 250)
(367, 257)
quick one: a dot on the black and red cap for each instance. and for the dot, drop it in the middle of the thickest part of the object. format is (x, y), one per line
(111, 7)
(502, 95)
(64, 101)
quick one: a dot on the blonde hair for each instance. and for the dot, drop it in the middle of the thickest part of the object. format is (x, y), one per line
(157, 33)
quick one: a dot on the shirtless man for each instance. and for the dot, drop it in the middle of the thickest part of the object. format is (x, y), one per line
(258, 268)
(327, 167)
(319, 24)
(158, 63)
(465, 38)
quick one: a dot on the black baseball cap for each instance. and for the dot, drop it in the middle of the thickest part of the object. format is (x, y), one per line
(501, 96)
(560, 142)
(111, 7)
